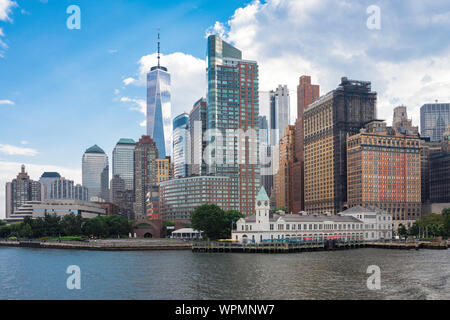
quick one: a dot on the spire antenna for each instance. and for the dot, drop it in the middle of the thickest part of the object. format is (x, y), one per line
(159, 48)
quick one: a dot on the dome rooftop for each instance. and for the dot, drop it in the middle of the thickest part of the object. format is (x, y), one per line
(95, 149)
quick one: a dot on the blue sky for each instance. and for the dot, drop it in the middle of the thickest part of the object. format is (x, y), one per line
(63, 90)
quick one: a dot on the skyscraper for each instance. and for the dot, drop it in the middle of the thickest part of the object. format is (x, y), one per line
(181, 146)
(123, 162)
(279, 113)
(328, 121)
(20, 190)
(383, 170)
(197, 127)
(307, 93)
(284, 176)
(233, 105)
(158, 106)
(95, 171)
(145, 155)
(401, 123)
(46, 180)
(434, 118)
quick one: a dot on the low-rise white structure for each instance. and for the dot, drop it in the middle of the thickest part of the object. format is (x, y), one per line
(38, 209)
(353, 225)
(186, 233)
(378, 223)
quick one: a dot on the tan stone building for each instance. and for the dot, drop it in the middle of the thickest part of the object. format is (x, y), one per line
(384, 170)
(164, 170)
(284, 176)
(327, 122)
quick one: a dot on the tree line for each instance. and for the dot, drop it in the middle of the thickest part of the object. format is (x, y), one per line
(431, 225)
(69, 225)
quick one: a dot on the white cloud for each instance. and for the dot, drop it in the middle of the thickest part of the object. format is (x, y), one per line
(9, 170)
(17, 151)
(5, 9)
(329, 39)
(7, 102)
(24, 142)
(128, 81)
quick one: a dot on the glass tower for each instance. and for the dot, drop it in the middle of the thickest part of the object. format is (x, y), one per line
(159, 106)
(434, 119)
(233, 109)
(181, 146)
(123, 162)
(279, 113)
(95, 172)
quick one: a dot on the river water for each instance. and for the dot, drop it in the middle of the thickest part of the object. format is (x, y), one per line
(147, 275)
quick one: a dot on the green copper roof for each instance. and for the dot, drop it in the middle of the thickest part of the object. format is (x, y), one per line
(262, 195)
(95, 149)
(126, 141)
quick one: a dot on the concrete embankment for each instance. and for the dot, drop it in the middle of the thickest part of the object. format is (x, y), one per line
(99, 245)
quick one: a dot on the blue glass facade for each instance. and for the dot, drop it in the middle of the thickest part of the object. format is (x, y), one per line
(434, 119)
(159, 108)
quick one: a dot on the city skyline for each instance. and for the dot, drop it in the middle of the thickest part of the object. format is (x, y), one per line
(66, 108)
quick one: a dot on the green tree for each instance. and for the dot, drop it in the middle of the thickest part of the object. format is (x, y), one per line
(231, 217)
(26, 231)
(402, 231)
(71, 225)
(210, 219)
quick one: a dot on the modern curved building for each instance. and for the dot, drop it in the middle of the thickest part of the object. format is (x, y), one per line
(181, 146)
(95, 171)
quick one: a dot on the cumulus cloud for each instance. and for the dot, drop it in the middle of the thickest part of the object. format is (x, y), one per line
(5, 9)
(329, 39)
(17, 151)
(7, 102)
(9, 170)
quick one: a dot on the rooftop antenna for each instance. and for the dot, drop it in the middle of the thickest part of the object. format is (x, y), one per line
(159, 48)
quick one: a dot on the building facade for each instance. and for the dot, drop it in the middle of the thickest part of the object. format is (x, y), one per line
(279, 113)
(439, 172)
(46, 181)
(181, 146)
(233, 109)
(95, 172)
(198, 118)
(159, 99)
(434, 118)
(180, 197)
(327, 122)
(266, 226)
(164, 170)
(145, 173)
(384, 171)
(123, 162)
(307, 93)
(65, 189)
(401, 123)
(21, 190)
(284, 176)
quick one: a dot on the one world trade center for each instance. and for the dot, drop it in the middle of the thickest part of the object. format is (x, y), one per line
(158, 105)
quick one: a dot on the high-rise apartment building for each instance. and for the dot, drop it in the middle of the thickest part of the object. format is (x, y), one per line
(159, 106)
(181, 146)
(178, 198)
(434, 118)
(65, 189)
(164, 170)
(267, 162)
(123, 162)
(21, 190)
(117, 187)
(46, 181)
(284, 177)
(327, 122)
(279, 113)
(439, 183)
(145, 155)
(95, 172)
(307, 93)
(233, 105)
(384, 170)
(197, 127)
